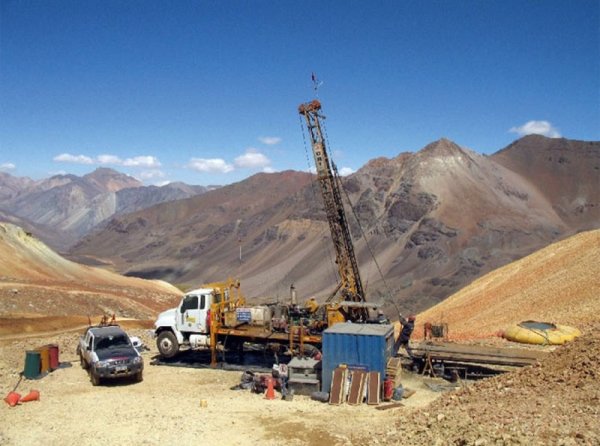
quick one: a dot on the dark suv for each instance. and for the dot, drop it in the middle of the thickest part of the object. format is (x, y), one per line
(107, 352)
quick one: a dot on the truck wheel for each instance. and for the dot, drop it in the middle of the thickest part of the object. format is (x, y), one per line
(139, 377)
(95, 379)
(167, 344)
(82, 362)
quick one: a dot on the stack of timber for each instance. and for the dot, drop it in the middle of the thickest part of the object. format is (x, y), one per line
(393, 370)
(472, 354)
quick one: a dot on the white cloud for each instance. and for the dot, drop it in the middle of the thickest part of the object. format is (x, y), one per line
(214, 165)
(75, 159)
(150, 174)
(145, 161)
(162, 183)
(142, 161)
(109, 159)
(269, 169)
(536, 128)
(252, 159)
(7, 166)
(345, 171)
(270, 140)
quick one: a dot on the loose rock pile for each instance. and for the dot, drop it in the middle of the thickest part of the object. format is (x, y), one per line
(556, 402)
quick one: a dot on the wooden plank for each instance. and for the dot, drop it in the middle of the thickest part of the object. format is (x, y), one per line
(373, 388)
(338, 380)
(357, 387)
(389, 406)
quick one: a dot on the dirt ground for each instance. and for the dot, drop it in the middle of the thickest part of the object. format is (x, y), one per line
(166, 407)
(556, 402)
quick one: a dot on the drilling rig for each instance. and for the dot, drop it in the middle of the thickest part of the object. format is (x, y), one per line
(347, 301)
(217, 312)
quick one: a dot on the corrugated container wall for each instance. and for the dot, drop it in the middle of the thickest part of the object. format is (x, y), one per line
(356, 345)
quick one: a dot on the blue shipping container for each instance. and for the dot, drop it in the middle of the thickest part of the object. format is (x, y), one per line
(365, 346)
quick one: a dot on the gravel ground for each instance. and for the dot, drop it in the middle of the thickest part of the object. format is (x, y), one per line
(556, 402)
(166, 407)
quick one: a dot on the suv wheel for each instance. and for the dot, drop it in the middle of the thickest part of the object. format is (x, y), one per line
(95, 378)
(167, 344)
(82, 361)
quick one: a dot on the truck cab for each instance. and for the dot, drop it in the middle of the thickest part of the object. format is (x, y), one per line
(190, 323)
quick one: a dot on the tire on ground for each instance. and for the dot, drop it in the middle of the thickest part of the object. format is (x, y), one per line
(95, 378)
(167, 344)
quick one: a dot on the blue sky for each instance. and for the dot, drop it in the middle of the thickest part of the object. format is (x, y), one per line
(206, 92)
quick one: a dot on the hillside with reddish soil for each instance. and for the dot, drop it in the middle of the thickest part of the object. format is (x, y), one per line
(35, 281)
(560, 283)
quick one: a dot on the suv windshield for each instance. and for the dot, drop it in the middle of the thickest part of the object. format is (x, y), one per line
(112, 341)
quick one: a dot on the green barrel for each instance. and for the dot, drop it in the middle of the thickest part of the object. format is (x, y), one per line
(32, 364)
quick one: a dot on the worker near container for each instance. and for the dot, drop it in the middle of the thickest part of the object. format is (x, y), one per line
(382, 318)
(407, 328)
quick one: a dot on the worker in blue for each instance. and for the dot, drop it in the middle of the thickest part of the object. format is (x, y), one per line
(408, 325)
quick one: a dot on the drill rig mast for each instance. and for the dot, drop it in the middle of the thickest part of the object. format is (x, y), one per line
(347, 302)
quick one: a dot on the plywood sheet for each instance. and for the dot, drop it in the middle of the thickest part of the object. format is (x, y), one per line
(374, 388)
(337, 393)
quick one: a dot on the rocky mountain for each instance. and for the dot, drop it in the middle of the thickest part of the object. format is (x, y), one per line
(175, 240)
(11, 186)
(434, 220)
(135, 198)
(66, 207)
(566, 172)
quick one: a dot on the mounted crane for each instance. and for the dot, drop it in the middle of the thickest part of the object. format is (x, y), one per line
(347, 301)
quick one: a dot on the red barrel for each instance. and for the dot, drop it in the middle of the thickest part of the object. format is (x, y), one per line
(388, 389)
(54, 362)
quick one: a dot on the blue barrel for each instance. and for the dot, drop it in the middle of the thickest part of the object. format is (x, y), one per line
(32, 364)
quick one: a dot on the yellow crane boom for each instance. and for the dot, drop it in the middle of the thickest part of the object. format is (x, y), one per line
(350, 301)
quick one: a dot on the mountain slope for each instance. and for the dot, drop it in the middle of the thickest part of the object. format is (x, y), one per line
(435, 220)
(559, 283)
(36, 280)
(176, 240)
(566, 172)
(11, 186)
